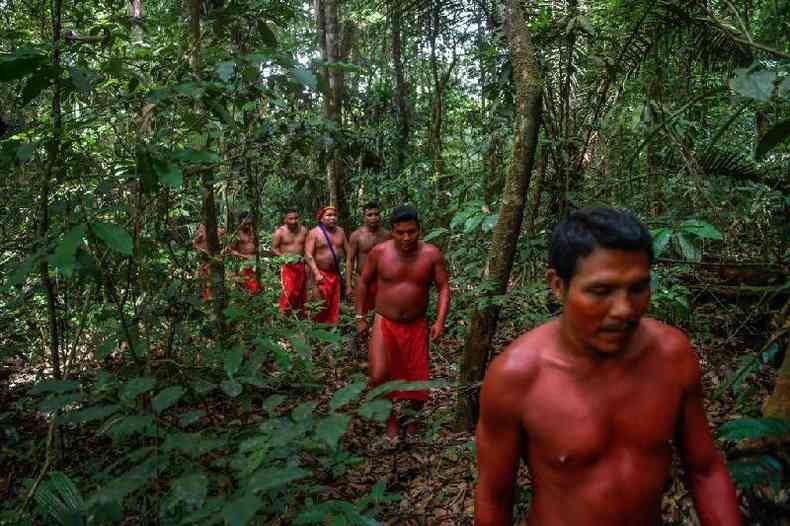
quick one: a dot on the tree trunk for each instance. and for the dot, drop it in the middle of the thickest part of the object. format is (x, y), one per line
(209, 211)
(400, 95)
(53, 168)
(526, 123)
(778, 404)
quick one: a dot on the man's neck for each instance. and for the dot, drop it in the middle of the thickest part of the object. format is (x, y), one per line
(372, 229)
(294, 229)
(330, 228)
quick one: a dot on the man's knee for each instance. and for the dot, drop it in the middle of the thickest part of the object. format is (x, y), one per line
(378, 376)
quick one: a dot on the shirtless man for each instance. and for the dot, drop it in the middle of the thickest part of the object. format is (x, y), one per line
(289, 240)
(323, 265)
(595, 400)
(200, 243)
(246, 248)
(404, 269)
(362, 240)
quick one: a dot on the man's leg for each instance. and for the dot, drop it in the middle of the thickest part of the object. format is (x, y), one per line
(379, 368)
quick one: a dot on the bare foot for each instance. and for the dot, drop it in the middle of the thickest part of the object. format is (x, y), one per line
(393, 428)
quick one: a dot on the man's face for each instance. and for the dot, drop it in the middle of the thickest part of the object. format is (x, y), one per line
(246, 224)
(372, 217)
(406, 235)
(605, 299)
(329, 218)
(292, 220)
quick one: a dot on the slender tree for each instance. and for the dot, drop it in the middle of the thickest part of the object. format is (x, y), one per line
(528, 81)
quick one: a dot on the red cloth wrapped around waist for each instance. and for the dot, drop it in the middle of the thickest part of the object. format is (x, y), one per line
(292, 279)
(407, 348)
(330, 294)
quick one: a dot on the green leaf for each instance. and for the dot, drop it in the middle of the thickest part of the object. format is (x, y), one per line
(114, 236)
(37, 83)
(241, 511)
(89, 414)
(232, 388)
(754, 428)
(773, 137)
(55, 386)
(271, 403)
(326, 336)
(700, 229)
(273, 478)
(433, 234)
(136, 386)
(490, 222)
(191, 490)
(756, 85)
(80, 80)
(169, 174)
(687, 248)
(125, 427)
(167, 397)
(202, 387)
(473, 223)
(65, 256)
(303, 411)
(225, 70)
(196, 156)
(346, 394)
(305, 77)
(266, 34)
(756, 471)
(378, 410)
(56, 403)
(403, 385)
(187, 419)
(232, 361)
(331, 428)
(20, 63)
(661, 238)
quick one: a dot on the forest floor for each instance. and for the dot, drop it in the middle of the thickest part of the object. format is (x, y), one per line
(431, 474)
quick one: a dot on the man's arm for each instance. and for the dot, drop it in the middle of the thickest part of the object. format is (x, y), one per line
(365, 280)
(499, 441)
(309, 253)
(351, 259)
(443, 304)
(706, 473)
(277, 239)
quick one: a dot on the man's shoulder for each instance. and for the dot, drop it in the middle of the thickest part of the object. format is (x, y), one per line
(523, 358)
(669, 341)
(431, 251)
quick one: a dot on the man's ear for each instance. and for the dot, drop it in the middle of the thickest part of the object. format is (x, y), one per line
(556, 284)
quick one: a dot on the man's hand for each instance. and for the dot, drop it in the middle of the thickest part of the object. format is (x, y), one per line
(350, 294)
(436, 331)
(362, 326)
(318, 277)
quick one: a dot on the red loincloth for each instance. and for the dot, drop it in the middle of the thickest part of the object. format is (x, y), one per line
(406, 345)
(294, 294)
(330, 293)
(370, 298)
(250, 283)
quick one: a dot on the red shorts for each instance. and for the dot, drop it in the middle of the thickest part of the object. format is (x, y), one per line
(406, 345)
(330, 294)
(294, 294)
(370, 298)
(251, 284)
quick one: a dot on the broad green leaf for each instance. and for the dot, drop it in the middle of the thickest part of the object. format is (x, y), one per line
(202, 387)
(687, 248)
(473, 223)
(89, 414)
(137, 386)
(403, 385)
(303, 410)
(433, 234)
(187, 419)
(266, 34)
(661, 238)
(232, 388)
(232, 361)
(114, 236)
(25, 151)
(169, 174)
(58, 402)
(378, 410)
(331, 428)
(240, 512)
(756, 471)
(346, 394)
(55, 386)
(20, 63)
(305, 77)
(490, 222)
(130, 425)
(773, 137)
(65, 256)
(39, 81)
(754, 428)
(191, 490)
(271, 403)
(700, 229)
(225, 70)
(756, 85)
(80, 80)
(272, 478)
(196, 156)
(326, 336)
(119, 487)
(167, 397)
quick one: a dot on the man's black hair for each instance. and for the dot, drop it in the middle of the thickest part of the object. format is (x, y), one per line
(587, 229)
(290, 210)
(371, 205)
(245, 215)
(404, 213)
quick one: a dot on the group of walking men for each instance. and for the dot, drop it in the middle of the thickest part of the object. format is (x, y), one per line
(594, 401)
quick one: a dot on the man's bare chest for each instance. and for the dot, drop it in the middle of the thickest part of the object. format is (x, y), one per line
(578, 425)
(419, 271)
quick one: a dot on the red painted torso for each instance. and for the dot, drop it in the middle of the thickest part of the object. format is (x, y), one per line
(404, 281)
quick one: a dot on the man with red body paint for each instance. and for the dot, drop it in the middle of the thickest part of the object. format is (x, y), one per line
(246, 248)
(289, 240)
(361, 242)
(404, 269)
(324, 265)
(200, 243)
(595, 400)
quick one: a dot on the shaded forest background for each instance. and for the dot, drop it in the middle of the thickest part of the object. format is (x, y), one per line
(127, 399)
